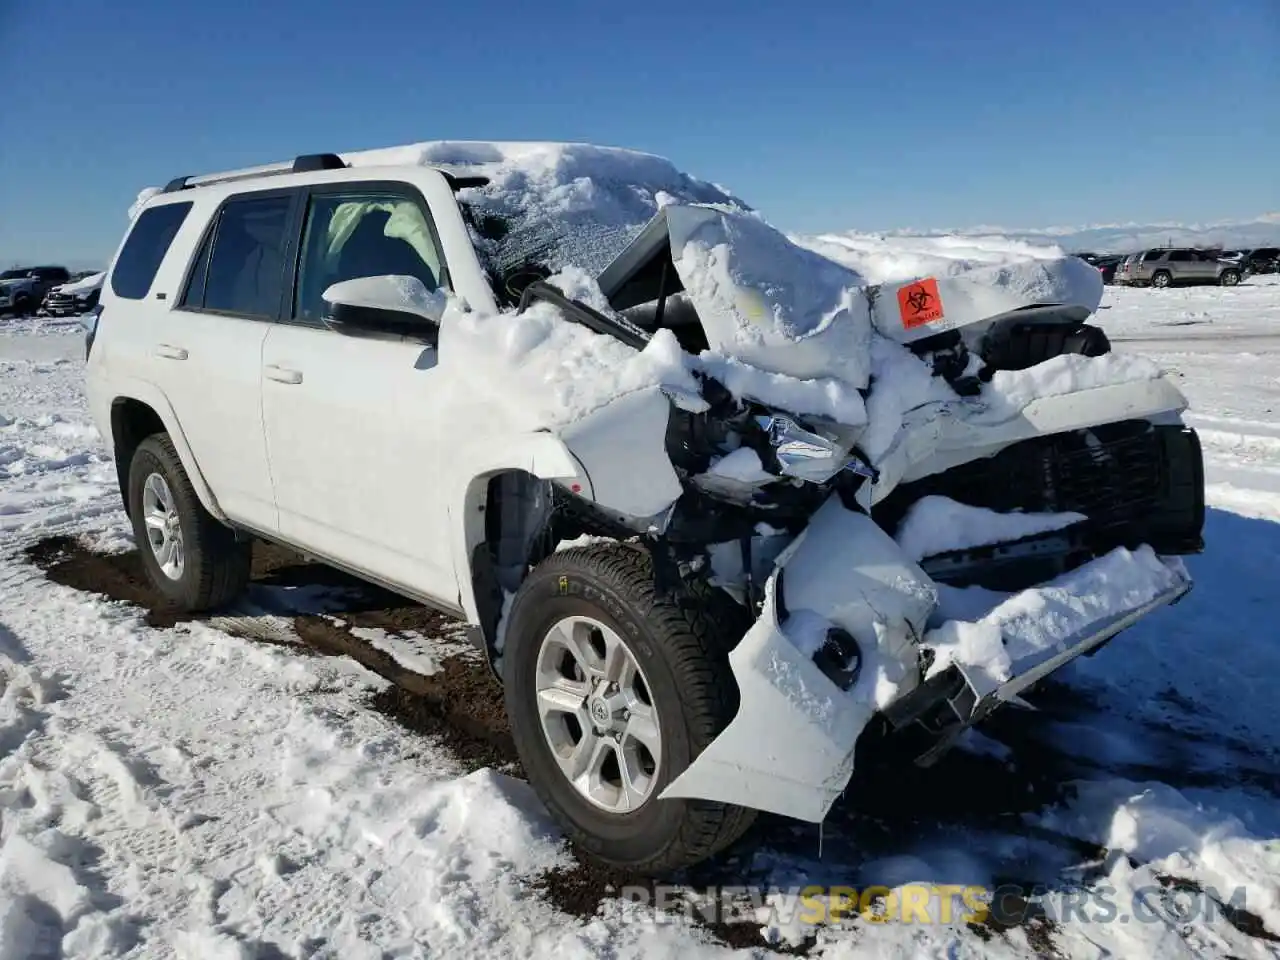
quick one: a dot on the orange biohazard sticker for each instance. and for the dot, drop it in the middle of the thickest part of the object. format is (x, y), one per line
(919, 303)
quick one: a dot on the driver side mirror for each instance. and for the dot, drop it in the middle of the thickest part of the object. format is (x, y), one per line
(391, 305)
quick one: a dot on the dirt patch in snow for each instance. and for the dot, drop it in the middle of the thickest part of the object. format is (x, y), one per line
(460, 705)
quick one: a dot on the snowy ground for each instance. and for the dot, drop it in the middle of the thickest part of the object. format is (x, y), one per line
(216, 789)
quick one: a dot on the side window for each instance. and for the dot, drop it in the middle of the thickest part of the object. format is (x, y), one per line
(240, 266)
(148, 242)
(363, 234)
(1152, 255)
(1181, 256)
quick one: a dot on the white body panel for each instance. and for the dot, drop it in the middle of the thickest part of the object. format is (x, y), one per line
(199, 356)
(356, 447)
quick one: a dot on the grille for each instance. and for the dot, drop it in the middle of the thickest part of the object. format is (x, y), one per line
(1116, 475)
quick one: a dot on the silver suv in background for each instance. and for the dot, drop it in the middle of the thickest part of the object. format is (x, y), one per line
(1168, 266)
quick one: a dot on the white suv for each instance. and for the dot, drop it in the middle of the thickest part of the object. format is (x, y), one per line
(597, 409)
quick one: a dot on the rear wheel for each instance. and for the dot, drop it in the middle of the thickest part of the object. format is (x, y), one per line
(1229, 278)
(191, 559)
(612, 692)
(1161, 279)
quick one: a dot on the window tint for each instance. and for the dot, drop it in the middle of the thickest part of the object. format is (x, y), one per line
(240, 266)
(363, 234)
(1152, 255)
(148, 242)
(1181, 256)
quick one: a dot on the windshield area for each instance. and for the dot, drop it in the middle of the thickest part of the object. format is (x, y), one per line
(15, 274)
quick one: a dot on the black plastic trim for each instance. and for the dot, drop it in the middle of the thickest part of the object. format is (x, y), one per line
(312, 162)
(580, 313)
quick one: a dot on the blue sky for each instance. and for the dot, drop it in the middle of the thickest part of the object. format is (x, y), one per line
(828, 114)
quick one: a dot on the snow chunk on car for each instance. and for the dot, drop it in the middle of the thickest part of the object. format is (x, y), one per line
(546, 372)
(1023, 628)
(937, 524)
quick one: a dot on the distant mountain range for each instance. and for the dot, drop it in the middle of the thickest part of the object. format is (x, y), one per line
(1264, 231)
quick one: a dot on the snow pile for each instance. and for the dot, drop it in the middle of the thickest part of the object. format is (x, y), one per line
(938, 524)
(1156, 825)
(546, 372)
(767, 302)
(1010, 391)
(1050, 617)
(884, 259)
(559, 204)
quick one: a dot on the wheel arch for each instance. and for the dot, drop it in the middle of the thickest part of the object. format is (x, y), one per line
(499, 508)
(139, 411)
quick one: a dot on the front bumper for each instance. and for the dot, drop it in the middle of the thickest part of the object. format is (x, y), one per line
(790, 748)
(960, 696)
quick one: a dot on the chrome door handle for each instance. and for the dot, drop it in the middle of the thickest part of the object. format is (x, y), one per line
(283, 374)
(169, 352)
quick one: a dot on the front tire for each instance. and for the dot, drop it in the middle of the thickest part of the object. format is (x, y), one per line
(191, 559)
(612, 691)
(1229, 278)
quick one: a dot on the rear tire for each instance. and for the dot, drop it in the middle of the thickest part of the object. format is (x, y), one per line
(1161, 279)
(195, 562)
(688, 692)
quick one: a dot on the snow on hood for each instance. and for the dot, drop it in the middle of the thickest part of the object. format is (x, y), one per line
(893, 259)
(767, 302)
(544, 372)
(559, 204)
(83, 285)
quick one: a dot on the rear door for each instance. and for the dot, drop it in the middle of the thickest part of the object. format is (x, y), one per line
(353, 440)
(1183, 265)
(207, 357)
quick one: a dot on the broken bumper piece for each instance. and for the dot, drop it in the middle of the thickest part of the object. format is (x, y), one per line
(789, 749)
(1040, 630)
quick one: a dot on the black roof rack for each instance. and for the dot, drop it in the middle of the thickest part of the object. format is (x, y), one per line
(457, 183)
(306, 163)
(311, 162)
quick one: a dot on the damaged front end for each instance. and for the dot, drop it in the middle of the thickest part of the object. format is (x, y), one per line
(801, 515)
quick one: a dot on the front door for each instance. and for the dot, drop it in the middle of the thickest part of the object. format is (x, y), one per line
(353, 445)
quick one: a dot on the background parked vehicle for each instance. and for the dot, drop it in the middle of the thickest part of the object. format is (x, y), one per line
(1167, 267)
(23, 289)
(1107, 263)
(1260, 260)
(79, 296)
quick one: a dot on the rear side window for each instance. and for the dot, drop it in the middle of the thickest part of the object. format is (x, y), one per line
(240, 267)
(1181, 256)
(1152, 255)
(148, 242)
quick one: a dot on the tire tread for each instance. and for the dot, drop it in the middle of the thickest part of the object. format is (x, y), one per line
(696, 637)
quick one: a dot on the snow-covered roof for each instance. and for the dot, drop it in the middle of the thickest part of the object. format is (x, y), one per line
(555, 204)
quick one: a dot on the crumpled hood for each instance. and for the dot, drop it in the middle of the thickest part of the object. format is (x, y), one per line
(10, 284)
(779, 307)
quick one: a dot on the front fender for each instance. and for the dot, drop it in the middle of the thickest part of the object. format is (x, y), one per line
(542, 455)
